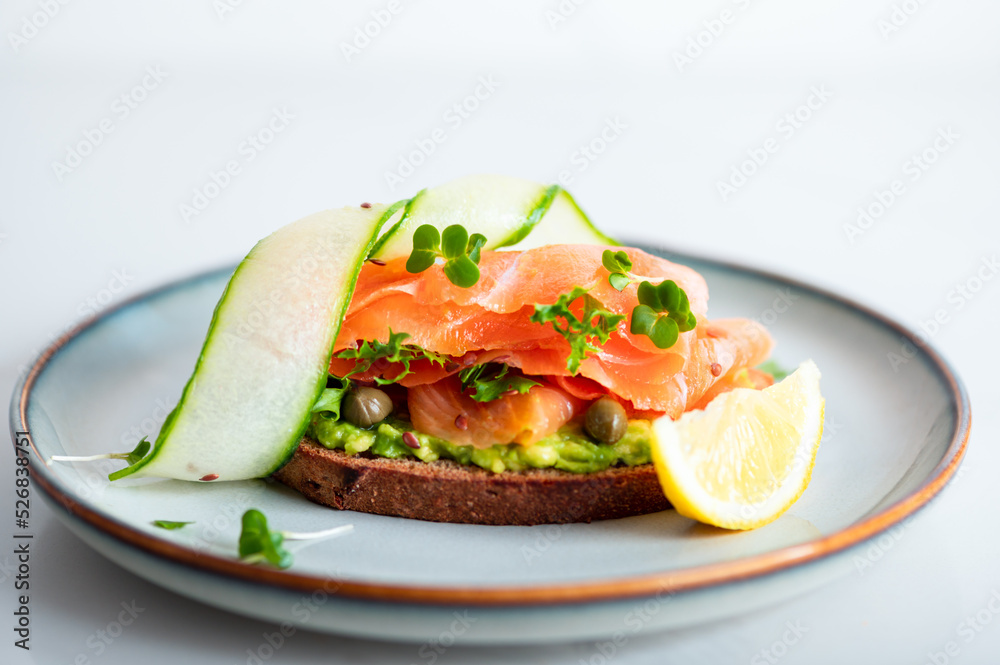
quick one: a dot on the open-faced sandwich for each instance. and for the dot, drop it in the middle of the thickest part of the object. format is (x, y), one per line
(481, 353)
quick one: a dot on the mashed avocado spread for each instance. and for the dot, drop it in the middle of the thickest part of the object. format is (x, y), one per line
(569, 449)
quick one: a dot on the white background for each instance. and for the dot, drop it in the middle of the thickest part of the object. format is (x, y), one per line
(891, 89)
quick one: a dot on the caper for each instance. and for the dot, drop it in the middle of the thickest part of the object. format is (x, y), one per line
(365, 406)
(606, 420)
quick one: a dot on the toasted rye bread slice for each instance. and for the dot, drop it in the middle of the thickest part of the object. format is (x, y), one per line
(444, 491)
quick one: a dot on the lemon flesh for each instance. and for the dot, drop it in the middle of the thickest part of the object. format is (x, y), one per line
(747, 457)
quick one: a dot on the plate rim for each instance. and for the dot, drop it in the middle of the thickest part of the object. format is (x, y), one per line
(561, 593)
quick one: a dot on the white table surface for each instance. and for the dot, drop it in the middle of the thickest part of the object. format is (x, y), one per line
(886, 95)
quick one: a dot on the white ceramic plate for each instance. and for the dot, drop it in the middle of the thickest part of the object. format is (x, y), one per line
(895, 433)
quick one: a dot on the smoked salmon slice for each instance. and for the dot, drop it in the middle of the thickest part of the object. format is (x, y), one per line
(491, 322)
(746, 377)
(441, 409)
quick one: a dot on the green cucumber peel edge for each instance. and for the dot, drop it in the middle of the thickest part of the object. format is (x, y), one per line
(286, 454)
(384, 239)
(608, 240)
(533, 218)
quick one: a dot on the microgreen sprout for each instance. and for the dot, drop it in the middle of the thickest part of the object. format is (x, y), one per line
(491, 381)
(663, 312)
(618, 264)
(258, 544)
(132, 457)
(460, 251)
(170, 525)
(393, 351)
(596, 323)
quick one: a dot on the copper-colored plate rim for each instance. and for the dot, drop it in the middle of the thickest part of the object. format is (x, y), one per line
(667, 582)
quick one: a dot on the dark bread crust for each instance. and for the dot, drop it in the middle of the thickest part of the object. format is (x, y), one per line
(445, 491)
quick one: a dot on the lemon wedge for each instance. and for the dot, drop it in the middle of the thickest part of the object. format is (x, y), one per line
(747, 457)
